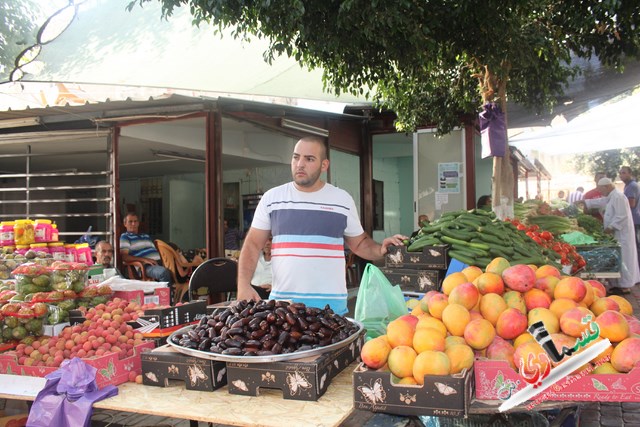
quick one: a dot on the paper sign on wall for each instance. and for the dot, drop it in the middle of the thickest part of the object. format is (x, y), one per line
(449, 177)
(441, 199)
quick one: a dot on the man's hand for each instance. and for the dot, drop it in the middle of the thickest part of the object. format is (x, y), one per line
(148, 261)
(608, 231)
(247, 293)
(395, 240)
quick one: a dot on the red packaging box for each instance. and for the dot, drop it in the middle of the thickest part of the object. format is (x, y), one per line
(111, 370)
(495, 379)
(161, 296)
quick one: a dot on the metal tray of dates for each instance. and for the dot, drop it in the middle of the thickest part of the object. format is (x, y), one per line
(293, 331)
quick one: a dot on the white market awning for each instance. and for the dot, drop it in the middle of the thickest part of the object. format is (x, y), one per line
(105, 44)
(605, 127)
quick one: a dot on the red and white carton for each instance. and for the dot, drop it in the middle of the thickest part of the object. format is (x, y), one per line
(110, 369)
(160, 296)
(496, 380)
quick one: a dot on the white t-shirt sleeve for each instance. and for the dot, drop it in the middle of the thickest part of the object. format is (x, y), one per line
(354, 227)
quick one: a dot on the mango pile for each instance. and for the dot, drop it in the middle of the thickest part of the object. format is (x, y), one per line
(486, 313)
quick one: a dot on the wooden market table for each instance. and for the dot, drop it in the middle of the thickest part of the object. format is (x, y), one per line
(267, 409)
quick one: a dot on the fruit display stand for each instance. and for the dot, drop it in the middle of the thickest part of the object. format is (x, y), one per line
(216, 407)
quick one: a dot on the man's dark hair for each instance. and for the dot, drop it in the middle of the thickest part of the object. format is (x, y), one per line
(319, 140)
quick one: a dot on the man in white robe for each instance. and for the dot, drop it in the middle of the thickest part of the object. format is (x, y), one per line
(618, 221)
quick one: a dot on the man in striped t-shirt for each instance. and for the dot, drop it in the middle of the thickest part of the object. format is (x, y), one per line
(140, 247)
(310, 221)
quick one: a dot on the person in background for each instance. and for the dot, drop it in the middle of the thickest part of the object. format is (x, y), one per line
(595, 194)
(104, 261)
(422, 221)
(262, 277)
(136, 246)
(632, 192)
(310, 221)
(484, 202)
(232, 237)
(617, 221)
(576, 196)
(104, 254)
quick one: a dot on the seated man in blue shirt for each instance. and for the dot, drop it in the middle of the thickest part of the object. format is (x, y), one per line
(140, 247)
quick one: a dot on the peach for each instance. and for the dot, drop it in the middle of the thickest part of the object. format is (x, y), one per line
(428, 339)
(599, 289)
(561, 340)
(519, 277)
(601, 305)
(530, 358)
(570, 287)
(515, 299)
(461, 357)
(475, 315)
(417, 311)
(605, 356)
(501, 349)
(613, 325)
(407, 381)
(562, 305)
(455, 317)
(465, 294)
(511, 323)
(375, 352)
(547, 271)
(433, 323)
(400, 331)
(424, 302)
(430, 363)
(401, 361)
(625, 306)
(575, 321)
(479, 333)
(452, 340)
(497, 266)
(522, 338)
(547, 284)
(626, 355)
(605, 368)
(453, 280)
(471, 272)
(536, 298)
(437, 304)
(546, 316)
(590, 296)
(491, 305)
(490, 283)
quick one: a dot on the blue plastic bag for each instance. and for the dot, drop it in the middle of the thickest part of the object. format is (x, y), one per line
(68, 396)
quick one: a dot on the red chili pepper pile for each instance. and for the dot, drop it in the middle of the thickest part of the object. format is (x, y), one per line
(567, 252)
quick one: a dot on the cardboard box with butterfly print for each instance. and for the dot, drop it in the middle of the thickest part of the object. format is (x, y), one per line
(415, 280)
(431, 257)
(495, 379)
(440, 395)
(110, 369)
(165, 363)
(303, 379)
(178, 315)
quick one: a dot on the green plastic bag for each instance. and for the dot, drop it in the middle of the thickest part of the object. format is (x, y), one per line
(378, 302)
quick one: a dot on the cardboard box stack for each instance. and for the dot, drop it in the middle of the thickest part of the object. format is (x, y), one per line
(416, 271)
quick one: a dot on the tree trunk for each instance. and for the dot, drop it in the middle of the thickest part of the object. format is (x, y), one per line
(502, 189)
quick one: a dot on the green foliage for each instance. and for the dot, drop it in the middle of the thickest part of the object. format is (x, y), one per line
(608, 161)
(425, 58)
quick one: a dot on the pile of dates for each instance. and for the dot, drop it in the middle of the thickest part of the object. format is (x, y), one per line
(265, 328)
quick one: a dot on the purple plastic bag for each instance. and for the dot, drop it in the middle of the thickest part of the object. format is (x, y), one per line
(68, 396)
(493, 131)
